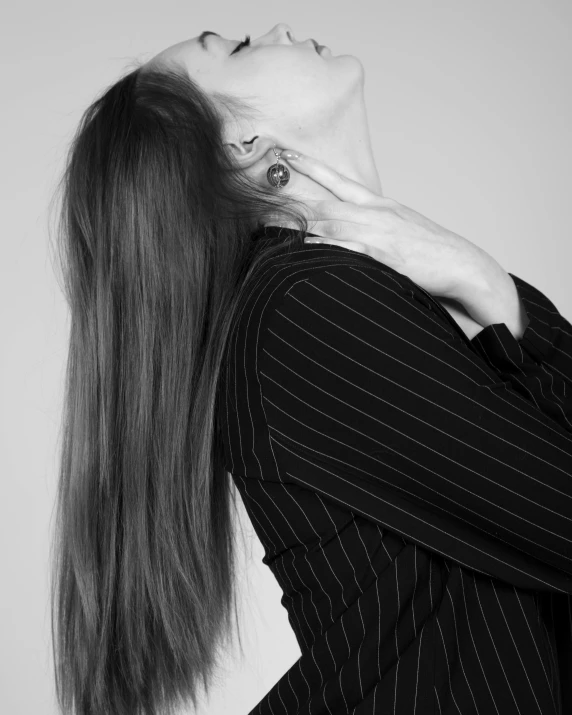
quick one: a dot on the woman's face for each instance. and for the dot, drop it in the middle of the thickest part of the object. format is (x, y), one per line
(296, 90)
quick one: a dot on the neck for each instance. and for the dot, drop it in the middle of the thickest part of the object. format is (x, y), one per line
(345, 148)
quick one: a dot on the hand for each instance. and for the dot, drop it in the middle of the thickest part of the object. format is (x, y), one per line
(457, 311)
(440, 261)
(395, 235)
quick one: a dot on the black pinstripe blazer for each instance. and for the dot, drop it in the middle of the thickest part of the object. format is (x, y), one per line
(412, 489)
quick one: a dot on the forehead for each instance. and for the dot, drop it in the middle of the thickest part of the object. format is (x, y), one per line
(187, 52)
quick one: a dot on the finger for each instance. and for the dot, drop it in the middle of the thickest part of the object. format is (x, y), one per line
(341, 186)
(350, 212)
(341, 231)
(352, 245)
(345, 220)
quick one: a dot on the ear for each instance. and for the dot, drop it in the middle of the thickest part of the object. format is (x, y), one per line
(248, 152)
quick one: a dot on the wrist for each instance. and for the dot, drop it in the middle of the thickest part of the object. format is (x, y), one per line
(490, 296)
(472, 270)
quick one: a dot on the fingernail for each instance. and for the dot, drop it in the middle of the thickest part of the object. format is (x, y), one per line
(290, 155)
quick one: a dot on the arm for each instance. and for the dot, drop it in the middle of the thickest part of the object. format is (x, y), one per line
(400, 420)
(490, 296)
(459, 314)
(538, 364)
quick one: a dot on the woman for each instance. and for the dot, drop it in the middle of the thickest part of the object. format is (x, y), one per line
(405, 461)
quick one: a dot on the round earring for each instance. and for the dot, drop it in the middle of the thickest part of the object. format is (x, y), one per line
(278, 175)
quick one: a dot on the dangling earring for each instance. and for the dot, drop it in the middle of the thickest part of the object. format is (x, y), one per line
(278, 175)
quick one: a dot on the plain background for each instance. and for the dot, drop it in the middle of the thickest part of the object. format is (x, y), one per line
(470, 112)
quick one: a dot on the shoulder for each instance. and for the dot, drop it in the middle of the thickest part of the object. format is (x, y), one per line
(341, 282)
(349, 278)
(319, 288)
(349, 297)
(321, 268)
(346, 295)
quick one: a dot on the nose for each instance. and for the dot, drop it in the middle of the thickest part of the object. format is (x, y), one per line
(282, 33)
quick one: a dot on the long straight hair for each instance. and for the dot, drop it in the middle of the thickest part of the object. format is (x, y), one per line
(154, 244)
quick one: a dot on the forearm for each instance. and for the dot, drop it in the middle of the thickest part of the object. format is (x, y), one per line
(490, 296)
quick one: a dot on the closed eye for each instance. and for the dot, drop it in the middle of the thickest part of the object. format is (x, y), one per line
(242, 44)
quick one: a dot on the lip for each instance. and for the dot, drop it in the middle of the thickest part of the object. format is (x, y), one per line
(317, 46)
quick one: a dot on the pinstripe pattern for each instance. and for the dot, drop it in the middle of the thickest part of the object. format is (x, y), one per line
(412, 490)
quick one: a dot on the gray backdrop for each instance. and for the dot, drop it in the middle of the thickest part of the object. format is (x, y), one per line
(470, 111)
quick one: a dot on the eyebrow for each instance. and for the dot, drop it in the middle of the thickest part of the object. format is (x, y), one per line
(204, 35)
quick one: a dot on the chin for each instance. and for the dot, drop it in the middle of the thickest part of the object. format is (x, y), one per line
(350, 61)
(358, 63)
(353, 70)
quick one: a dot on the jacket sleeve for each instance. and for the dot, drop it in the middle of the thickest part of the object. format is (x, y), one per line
(539, 365)
(374, 401)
